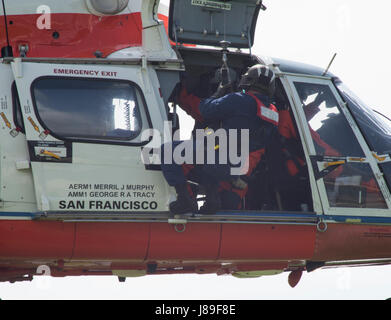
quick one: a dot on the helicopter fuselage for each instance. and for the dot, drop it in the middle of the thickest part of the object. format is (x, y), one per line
(76, 195)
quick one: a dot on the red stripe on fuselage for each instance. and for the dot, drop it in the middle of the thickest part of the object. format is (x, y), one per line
(74, 35)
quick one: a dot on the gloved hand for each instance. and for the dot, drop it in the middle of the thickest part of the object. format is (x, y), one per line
(239, 183)
(222, 90)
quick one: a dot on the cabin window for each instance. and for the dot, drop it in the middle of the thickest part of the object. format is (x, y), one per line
(89, 109)
(375, 127)
(350, 184)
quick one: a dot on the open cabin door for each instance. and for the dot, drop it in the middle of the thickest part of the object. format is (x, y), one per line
(347, 176)
(84, 125)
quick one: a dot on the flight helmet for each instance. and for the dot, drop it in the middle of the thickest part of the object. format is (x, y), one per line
(259, 78)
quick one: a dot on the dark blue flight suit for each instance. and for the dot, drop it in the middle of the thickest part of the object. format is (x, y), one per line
(252, 111)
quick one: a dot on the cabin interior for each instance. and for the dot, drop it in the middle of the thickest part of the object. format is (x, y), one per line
(270, 187)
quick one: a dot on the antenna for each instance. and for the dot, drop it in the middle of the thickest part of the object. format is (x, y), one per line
(263, 7)
(328, 67)
(6, 51)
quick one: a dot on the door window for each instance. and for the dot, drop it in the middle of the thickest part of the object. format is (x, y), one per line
(330, 131)
(349, 183)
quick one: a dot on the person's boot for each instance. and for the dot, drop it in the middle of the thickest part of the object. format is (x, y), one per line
(212, 201)
(185, 203)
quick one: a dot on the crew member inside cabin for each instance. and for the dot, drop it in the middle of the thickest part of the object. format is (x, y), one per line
(287, 169)
(249, 109)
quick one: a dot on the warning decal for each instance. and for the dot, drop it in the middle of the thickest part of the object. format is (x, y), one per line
(211, 4)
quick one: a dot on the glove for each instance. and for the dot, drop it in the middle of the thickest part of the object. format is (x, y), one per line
(222, 90)
(239, 183)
